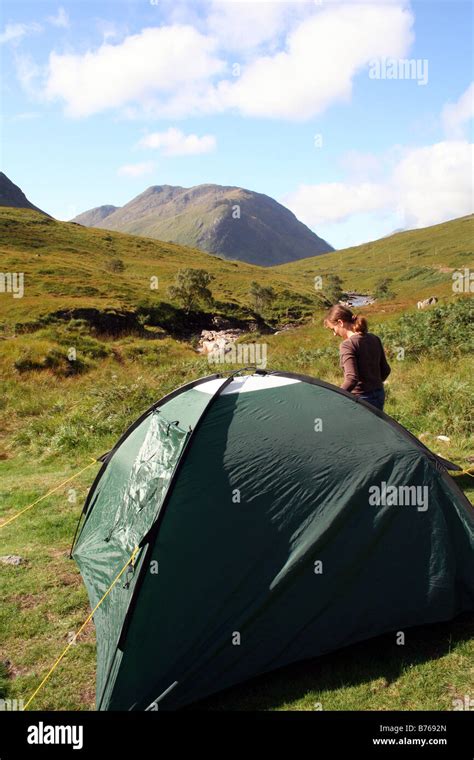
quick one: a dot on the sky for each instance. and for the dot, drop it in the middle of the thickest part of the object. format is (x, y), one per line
(355, 115)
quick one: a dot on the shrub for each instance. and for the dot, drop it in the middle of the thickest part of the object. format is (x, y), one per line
(382, 289)
(260, 296)
(444, 330)
(115, 265)
(333, 288)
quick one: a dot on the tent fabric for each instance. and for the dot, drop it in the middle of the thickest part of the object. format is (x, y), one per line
(252, 500)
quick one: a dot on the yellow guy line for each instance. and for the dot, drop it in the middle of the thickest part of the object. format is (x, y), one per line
(89, 617)
(7, 522)
(467, 471)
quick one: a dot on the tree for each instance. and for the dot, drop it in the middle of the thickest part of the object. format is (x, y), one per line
(191, 288)
(333, 288)
(382, 289)
(260, 296)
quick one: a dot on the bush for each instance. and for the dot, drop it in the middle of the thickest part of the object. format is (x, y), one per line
(382, 289)
(444, 330)
(115, 265)
(333, 288)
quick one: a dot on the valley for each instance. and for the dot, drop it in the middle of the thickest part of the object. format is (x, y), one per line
(133, 343)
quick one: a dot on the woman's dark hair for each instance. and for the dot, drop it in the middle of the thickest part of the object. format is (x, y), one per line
(336, 312)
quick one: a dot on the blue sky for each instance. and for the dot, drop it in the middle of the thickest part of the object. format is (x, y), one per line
(102, 99)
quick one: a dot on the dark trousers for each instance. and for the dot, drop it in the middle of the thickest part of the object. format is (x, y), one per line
(376, 398)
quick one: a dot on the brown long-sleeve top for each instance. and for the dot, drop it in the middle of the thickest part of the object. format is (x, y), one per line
(364, 363)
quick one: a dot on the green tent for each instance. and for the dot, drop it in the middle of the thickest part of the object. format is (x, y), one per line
(277, 518)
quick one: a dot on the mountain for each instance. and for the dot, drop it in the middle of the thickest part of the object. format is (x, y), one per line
(95, 216)
(12, 195)
(228, 221)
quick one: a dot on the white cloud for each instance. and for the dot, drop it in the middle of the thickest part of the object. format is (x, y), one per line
(158, 60)
(61, 18)
(15, 32)
(319, 61)
(360, 166)
(422, 186)
(242, 26)
(29, 75)
(136, 170)
(173, 142)
(336, 201)
(435, 183)
(311, 57)
(456, 116)
(427, 186)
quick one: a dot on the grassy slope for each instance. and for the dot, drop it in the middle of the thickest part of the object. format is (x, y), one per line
(65, 265)
(420, 262)
(50, 426)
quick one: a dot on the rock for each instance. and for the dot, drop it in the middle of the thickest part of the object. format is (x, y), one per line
(285, 328)
(12, 559)
(443, 438)
(71, 637)
(427, 302)
(218, 340)
(221, 323)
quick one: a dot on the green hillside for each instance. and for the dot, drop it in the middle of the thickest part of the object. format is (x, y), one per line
(420, 262)
(69, 266)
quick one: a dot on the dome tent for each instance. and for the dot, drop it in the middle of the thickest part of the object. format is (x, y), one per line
(277, 518)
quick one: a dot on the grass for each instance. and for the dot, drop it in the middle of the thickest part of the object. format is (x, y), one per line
(53, 420)
(420, 263)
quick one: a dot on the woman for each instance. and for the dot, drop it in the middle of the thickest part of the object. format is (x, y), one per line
(362, 356)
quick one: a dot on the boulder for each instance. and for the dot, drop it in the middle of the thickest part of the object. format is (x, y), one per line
(427, 302)
(218, 340)
(12, 559)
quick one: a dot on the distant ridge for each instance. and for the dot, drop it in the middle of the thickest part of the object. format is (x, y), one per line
(228, 221)
(95, 216)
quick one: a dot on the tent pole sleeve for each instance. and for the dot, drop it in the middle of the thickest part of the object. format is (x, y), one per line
(150, 537)
(107, 457)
